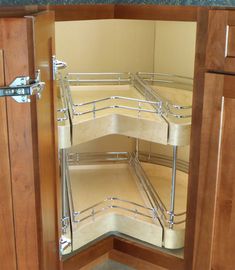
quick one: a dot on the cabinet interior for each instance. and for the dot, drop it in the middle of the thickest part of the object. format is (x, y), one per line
(124, 130)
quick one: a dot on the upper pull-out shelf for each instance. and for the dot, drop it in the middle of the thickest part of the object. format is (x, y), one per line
(101, 104)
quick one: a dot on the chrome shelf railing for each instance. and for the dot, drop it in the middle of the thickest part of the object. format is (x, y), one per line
(113, 203)
(117, 78)
(98, 105)
(141, 81)
(182, 82)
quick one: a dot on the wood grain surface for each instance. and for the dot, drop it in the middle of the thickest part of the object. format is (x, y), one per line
(78, 260)
(148, 254)
(83, 12)
(224, 232)
(22, 156)
(155, 12)
(7, 234)
(47, 141)
(132, 261)
(221, 46)
(196, 136)
(208, 170)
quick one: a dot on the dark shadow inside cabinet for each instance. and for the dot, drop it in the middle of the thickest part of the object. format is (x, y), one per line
(124, 123)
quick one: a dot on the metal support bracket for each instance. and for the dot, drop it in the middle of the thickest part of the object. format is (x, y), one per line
(22, 88)
(57, 64)
(64, 244)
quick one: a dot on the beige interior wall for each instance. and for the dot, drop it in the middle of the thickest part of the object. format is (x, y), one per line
(106, 45)
(175, 47)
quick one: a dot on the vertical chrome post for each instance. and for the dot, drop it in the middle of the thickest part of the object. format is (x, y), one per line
(94, 110)
(66, 240)
(63, 161)
(137, 148)
(139, 110)
(173, 185)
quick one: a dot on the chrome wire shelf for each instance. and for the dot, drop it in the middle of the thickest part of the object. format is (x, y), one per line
(157, 209)
(140, 81)
(99, 78)
(116, 102)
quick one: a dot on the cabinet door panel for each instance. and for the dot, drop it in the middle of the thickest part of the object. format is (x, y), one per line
(224, 232)
(221, 41)
(7, 236)
(209, 145)
(20, 138)
(28, 45)
(215, 223)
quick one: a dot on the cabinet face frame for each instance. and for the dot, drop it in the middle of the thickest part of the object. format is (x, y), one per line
(167, 13)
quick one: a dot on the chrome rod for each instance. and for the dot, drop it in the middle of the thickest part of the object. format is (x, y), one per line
(137, 147)
(114, 107)
(99, 73)
(99, 80)
(152, 74)
(117, 97)
(173, 185)
(63, 184)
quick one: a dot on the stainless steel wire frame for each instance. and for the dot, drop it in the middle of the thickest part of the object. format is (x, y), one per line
(142, 82)
(158, 210)
(67, 204)
(155, 105)
(161, 106)
(79, 78)
(165, 78)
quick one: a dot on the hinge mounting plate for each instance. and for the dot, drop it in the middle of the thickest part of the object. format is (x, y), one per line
(22, 88)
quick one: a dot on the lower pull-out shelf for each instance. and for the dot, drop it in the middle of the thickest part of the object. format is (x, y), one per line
(115, 197)
(93, 184)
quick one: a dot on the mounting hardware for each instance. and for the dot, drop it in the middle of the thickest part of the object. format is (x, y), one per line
(22, 88)
(64, 243)
(57, 64)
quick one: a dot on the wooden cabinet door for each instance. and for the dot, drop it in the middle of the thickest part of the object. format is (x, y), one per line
(29, 165)
(215, 223)
(221, 41)
(7, 235)
(224, 229)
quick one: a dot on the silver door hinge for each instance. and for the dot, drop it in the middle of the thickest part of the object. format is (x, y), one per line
(57, 64)
(22, 88)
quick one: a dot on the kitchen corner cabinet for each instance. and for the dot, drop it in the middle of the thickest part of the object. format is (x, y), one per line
(29, 169)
